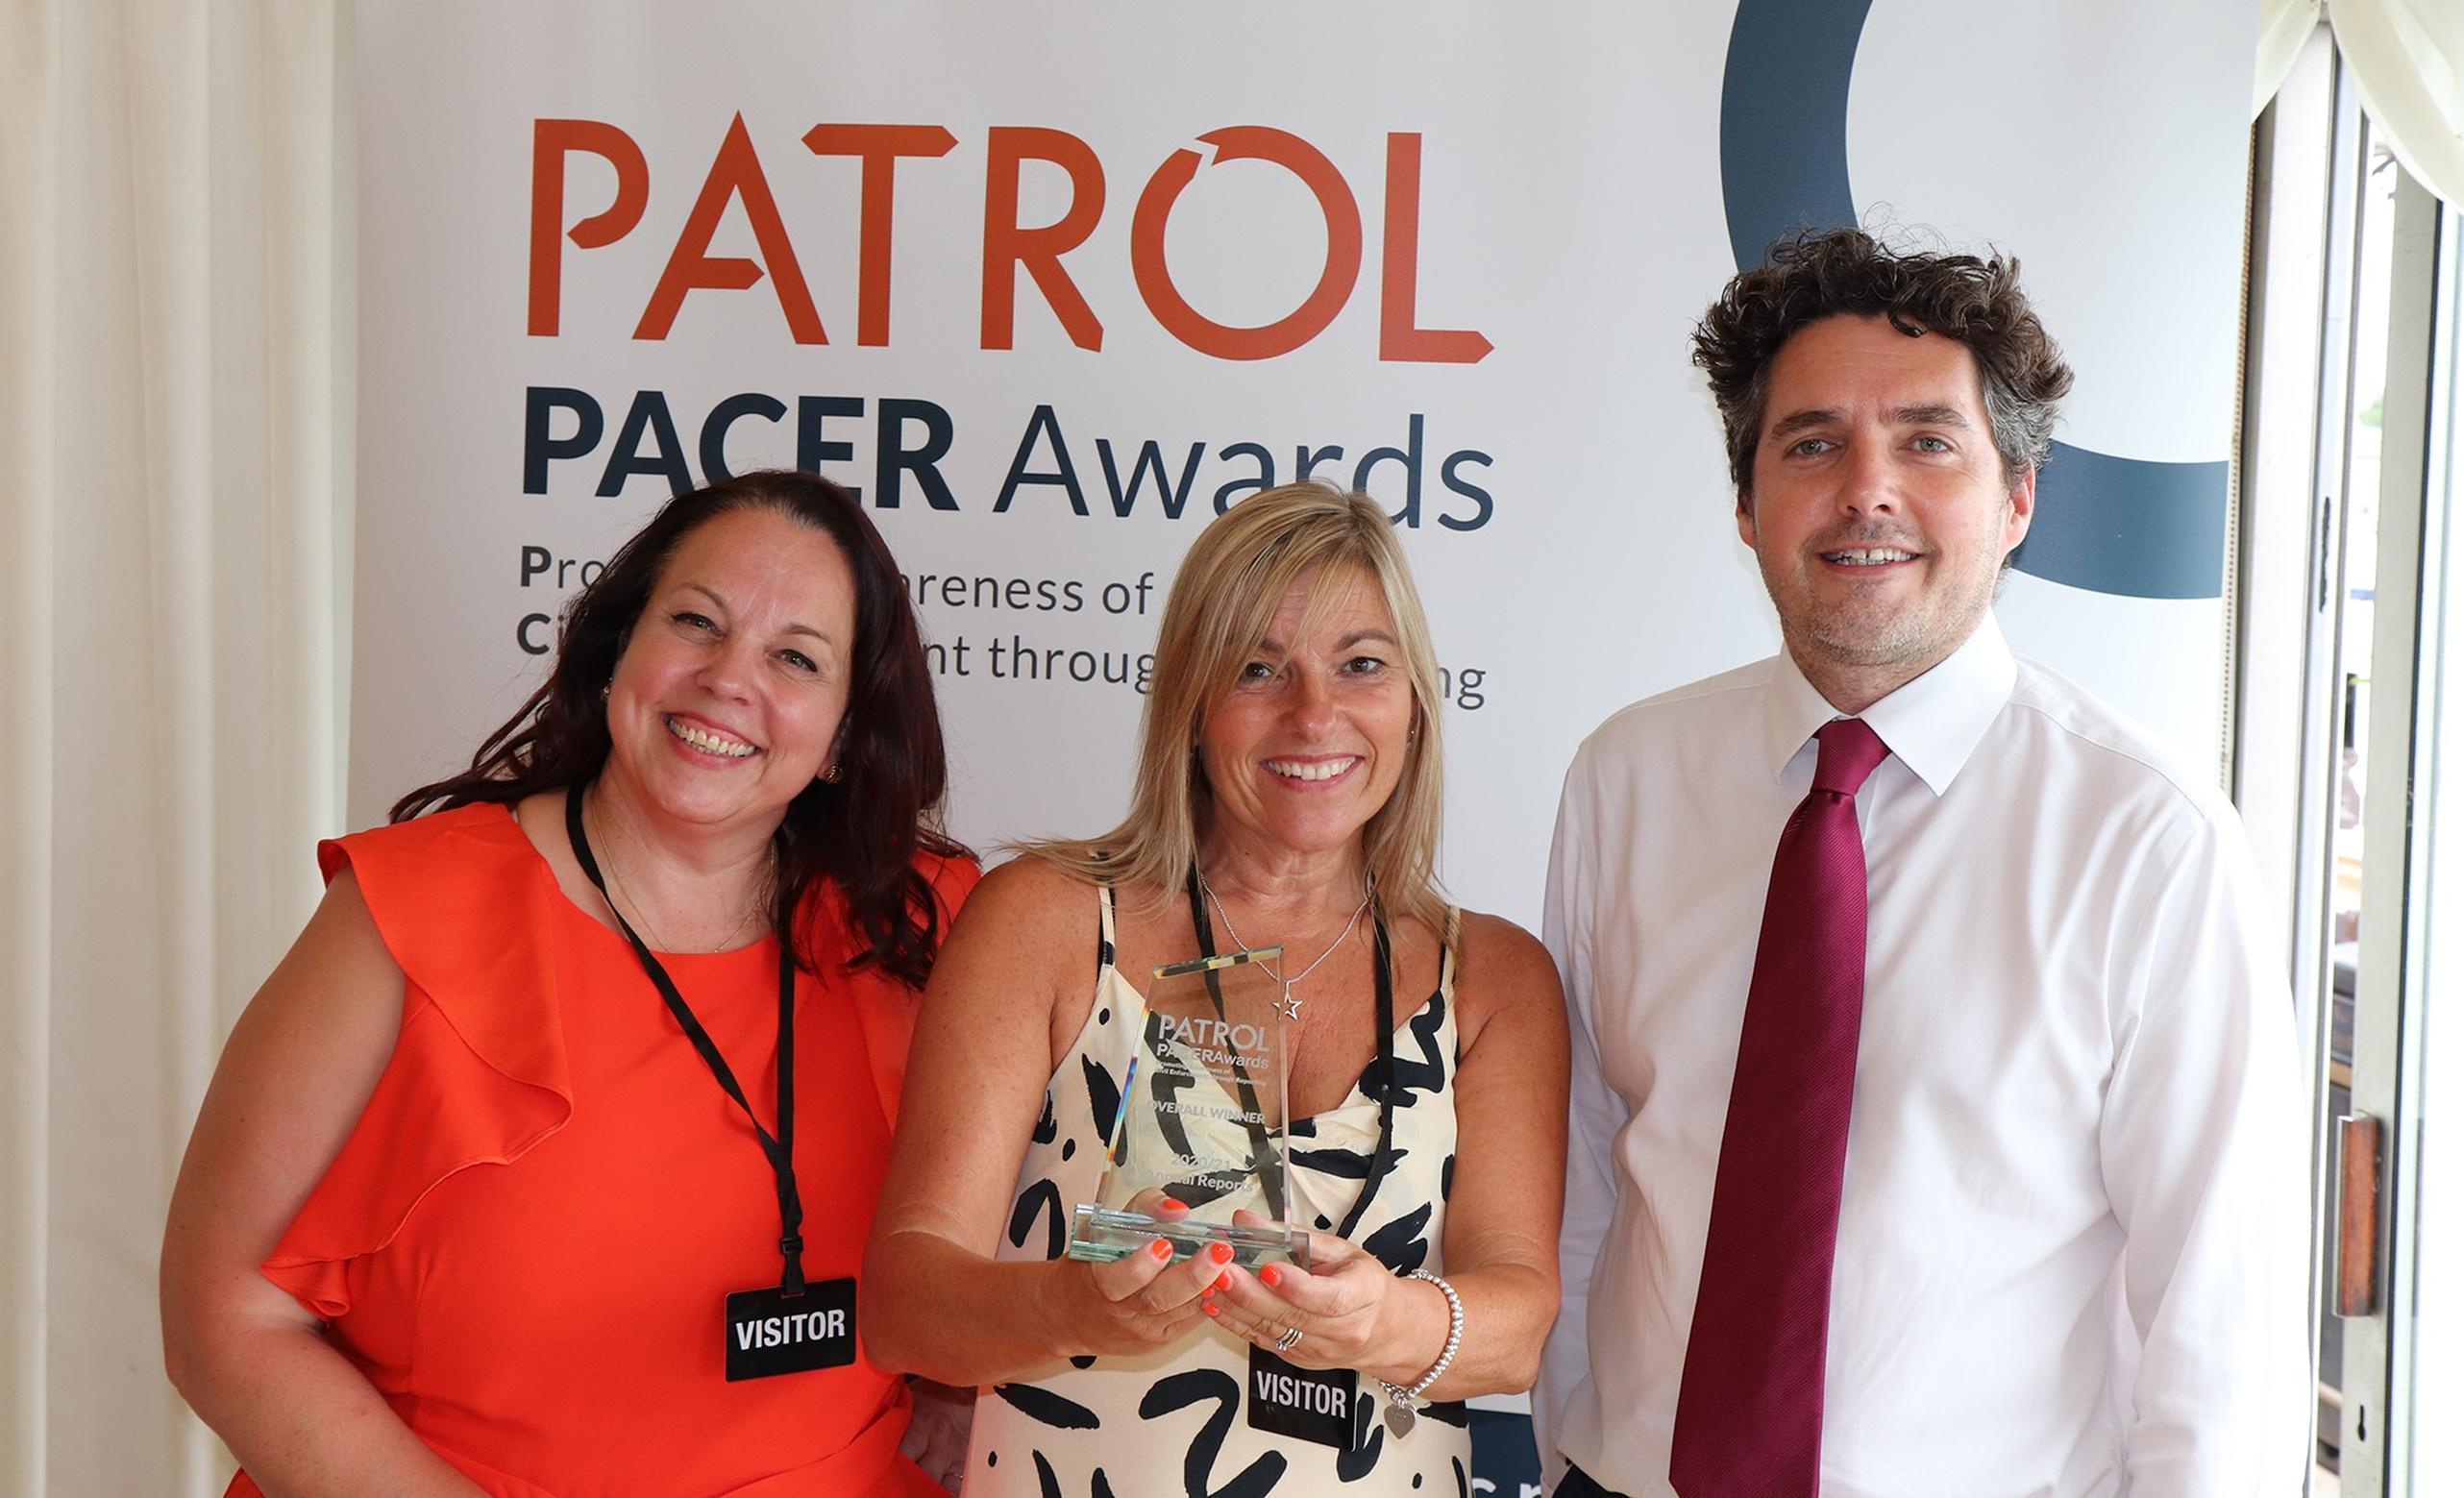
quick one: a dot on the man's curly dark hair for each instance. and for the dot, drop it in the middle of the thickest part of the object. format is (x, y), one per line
(1819, 275)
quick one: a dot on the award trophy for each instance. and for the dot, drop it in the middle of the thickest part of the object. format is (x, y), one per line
(1201, 1120)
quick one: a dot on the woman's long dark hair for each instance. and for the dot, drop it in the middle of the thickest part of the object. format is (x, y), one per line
(862, 832)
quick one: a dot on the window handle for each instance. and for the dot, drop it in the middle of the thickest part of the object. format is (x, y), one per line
(2356, 1232)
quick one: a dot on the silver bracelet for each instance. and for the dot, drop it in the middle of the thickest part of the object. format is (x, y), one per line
(1403, 1408)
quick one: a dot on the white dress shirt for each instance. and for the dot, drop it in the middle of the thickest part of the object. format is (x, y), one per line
(2072, 1252)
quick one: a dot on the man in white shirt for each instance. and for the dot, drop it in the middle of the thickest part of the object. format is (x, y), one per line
(2053, 1239)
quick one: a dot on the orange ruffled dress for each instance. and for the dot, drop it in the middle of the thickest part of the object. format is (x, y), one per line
(528, 1239)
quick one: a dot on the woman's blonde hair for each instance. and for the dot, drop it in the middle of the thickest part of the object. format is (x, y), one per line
(1221, 604)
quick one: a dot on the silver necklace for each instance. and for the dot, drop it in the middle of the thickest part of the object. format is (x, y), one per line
(641, 913)
(1289, 1006)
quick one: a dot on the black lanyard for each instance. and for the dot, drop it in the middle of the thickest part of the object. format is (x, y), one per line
(781, 1151)
(1384, 951)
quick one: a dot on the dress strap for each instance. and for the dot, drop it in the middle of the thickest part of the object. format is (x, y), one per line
(1446, 945)
(1103, 942)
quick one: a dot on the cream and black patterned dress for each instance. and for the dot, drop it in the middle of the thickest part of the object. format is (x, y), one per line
(1174, 1423)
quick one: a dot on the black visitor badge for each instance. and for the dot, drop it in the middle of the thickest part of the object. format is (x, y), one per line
(1306, 1404)
(771, 1332)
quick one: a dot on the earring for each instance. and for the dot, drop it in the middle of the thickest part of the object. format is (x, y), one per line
(604, 690)
(830, 776)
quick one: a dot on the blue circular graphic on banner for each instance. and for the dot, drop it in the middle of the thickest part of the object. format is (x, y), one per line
(2124, 525)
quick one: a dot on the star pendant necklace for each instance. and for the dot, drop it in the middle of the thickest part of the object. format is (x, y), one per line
(1289, 1006)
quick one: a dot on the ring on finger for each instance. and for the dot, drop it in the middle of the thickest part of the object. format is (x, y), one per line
(1289, 1339)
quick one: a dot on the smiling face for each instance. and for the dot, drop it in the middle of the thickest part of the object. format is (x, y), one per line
(1880, 513)
(1312, 739)
(727, 700)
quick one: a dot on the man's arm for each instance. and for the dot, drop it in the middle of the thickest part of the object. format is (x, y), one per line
(2201, 1145)
(1594, 1114)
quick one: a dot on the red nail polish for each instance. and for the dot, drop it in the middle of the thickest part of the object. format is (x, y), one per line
(1160, 1249)
(1222, 1283)
(1221, 1253)
(1174, 1205)
(1272, 1275)
(1209, 1308)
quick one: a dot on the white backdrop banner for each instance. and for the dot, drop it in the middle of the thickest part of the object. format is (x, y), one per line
(1052, 285)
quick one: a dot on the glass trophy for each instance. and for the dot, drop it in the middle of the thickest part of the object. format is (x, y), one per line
(1201, 1120)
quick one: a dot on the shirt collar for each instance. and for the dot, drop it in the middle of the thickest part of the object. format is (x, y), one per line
(1932, 725)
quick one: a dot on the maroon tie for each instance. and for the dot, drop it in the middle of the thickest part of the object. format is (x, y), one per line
(1749, 1410)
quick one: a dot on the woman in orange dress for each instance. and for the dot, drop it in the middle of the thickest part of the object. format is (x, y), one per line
(543, 1163)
